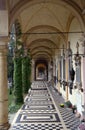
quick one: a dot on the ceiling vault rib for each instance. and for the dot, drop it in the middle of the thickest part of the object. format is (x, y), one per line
(35, 33)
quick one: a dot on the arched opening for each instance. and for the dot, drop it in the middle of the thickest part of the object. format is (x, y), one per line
(47, 26)
(41, 69)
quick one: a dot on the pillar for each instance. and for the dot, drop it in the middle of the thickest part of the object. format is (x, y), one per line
(83, 80)
(49, 71)
(67, 68)
(4, 125)
(59, 75)
(36, 72)
(66, 64)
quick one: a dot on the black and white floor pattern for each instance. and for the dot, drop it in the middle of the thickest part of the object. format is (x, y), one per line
(69, 118)
(39, 112)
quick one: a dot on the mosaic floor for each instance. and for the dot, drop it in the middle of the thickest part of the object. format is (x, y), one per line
(41, 111)
(70, 120)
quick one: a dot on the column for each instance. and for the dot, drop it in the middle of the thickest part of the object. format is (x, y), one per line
(4, 125)
(83, 81)
(37, 72)
(49, 71)
(66, 78)
(67, 69)
(83, 74)
(59, 75)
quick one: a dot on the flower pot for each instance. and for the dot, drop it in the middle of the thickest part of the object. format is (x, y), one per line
(81, 127)
(74, 108)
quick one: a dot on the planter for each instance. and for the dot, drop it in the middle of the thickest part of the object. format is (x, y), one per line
(81, 126)
(68, 104)
(82, 90)
(74, 109)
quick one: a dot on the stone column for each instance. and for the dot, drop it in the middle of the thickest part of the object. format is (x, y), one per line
(59, 75)
(36, 72)
(67, 68)
(66, 78)
(4, 125)
(49, 71)
(83, 80)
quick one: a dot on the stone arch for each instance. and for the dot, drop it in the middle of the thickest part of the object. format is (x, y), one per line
(42, 40)
(41, 52)
(53, 29)
(71, 5)
(42, 56)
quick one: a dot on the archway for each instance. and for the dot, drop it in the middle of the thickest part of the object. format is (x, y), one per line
(41, 69)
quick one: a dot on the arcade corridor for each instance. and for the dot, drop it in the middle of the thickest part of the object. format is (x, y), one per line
(42, 111)
(46, 42)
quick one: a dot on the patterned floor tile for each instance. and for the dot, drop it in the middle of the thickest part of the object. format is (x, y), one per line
(37, 99)
(27, 118)
(68, 117)
(43, 107)
(37, 102)
(39, 111)
(38, 127)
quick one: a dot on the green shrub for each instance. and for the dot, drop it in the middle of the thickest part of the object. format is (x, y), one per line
(18, 94)
(26, 73)
(68, 104)
(14, 108)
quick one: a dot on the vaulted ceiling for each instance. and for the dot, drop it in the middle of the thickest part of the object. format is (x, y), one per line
(44, 21)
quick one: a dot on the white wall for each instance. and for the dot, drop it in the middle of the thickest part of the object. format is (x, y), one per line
(74, 38)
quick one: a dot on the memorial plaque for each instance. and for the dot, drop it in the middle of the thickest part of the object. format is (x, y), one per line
(78, 74)
(79, 102)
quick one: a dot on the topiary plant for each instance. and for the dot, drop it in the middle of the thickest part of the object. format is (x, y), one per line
(26, 72)
(18, 52)
(18, 96)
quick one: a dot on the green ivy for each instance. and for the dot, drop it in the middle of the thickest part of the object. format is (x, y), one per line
(14, 108)
(18, 93)
(26, 73)
(29, 70)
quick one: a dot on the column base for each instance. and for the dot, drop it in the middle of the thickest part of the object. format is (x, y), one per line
(5, 126)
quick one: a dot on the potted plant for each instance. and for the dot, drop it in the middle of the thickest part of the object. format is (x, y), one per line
(74, 108)
(81, 126)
